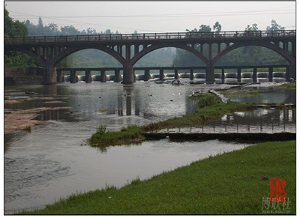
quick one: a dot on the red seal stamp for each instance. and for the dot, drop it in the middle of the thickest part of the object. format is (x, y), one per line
(277, 191)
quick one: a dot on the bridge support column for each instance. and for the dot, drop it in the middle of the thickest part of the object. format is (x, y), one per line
(49, 75)
(161, 74)
(291, 73)
(210, 76)
(88, 76)
(191, 74)
(60, 76)
(147, 75)
(239, 75)
(128, 77)
(254, 74)
(223, 75)
(118, 77)
(270, 74)
(103, 76)
(176, 74)
(73, 76)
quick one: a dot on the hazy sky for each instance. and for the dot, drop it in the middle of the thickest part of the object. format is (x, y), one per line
(155, 16)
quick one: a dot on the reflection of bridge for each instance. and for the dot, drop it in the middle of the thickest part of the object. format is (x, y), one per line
(209, 47)
(193, 73)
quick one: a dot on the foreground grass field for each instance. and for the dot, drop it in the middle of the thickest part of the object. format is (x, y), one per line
(230, 183)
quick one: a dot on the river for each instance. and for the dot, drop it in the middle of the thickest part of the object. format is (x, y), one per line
(53, 161)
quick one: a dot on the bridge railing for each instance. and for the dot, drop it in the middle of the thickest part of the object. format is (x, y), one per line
(148, 36)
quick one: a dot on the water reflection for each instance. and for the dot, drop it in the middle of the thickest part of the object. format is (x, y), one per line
(269, 95)
(259, 120)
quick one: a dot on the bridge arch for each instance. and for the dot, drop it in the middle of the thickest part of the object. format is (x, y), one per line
(271, 46)
(71, 50)
(151, 48)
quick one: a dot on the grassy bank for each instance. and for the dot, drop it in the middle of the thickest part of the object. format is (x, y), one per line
(209, 108)
(230, 183)
(290, 85)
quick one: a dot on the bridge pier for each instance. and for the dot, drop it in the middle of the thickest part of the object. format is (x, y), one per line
(73, 76)
(291, 72)
(118, 77)
(270, 74)
(88, 76)
(191, 74)
(255, 75)
(239, 74)
(60, 76)
(49, 75)
(128, 77)
(147, 75)
(103, 76)
(176, 74)
(210, 76)
(161, 74)
(223, 75)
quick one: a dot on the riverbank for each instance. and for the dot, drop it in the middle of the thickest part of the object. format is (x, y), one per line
(22, 76)
(230, 183)
(25, 119)
(291, 85)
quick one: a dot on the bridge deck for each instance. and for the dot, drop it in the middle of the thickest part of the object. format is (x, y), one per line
(150, 36)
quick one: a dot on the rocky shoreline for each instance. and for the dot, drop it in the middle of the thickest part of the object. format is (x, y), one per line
(25, 119)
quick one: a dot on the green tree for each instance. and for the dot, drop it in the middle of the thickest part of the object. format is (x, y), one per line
(274, 26)
(8, 24)
(15, 29)
(217, 27)
(69, 30)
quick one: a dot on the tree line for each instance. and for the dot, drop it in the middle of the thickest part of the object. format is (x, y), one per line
(248, 55)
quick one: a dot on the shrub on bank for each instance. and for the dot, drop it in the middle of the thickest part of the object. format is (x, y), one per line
(130, 134)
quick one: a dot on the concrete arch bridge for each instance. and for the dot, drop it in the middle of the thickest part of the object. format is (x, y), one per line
(48, 51)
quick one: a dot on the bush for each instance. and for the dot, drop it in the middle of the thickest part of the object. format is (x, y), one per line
(207, 100)
(101, 129)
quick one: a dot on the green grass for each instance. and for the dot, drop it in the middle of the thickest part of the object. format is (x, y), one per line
(230, 183)
(127, 135)
(290, 85)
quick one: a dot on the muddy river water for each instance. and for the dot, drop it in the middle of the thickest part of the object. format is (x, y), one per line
(53, 161)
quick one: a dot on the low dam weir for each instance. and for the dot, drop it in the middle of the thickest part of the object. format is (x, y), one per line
(282, 136)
